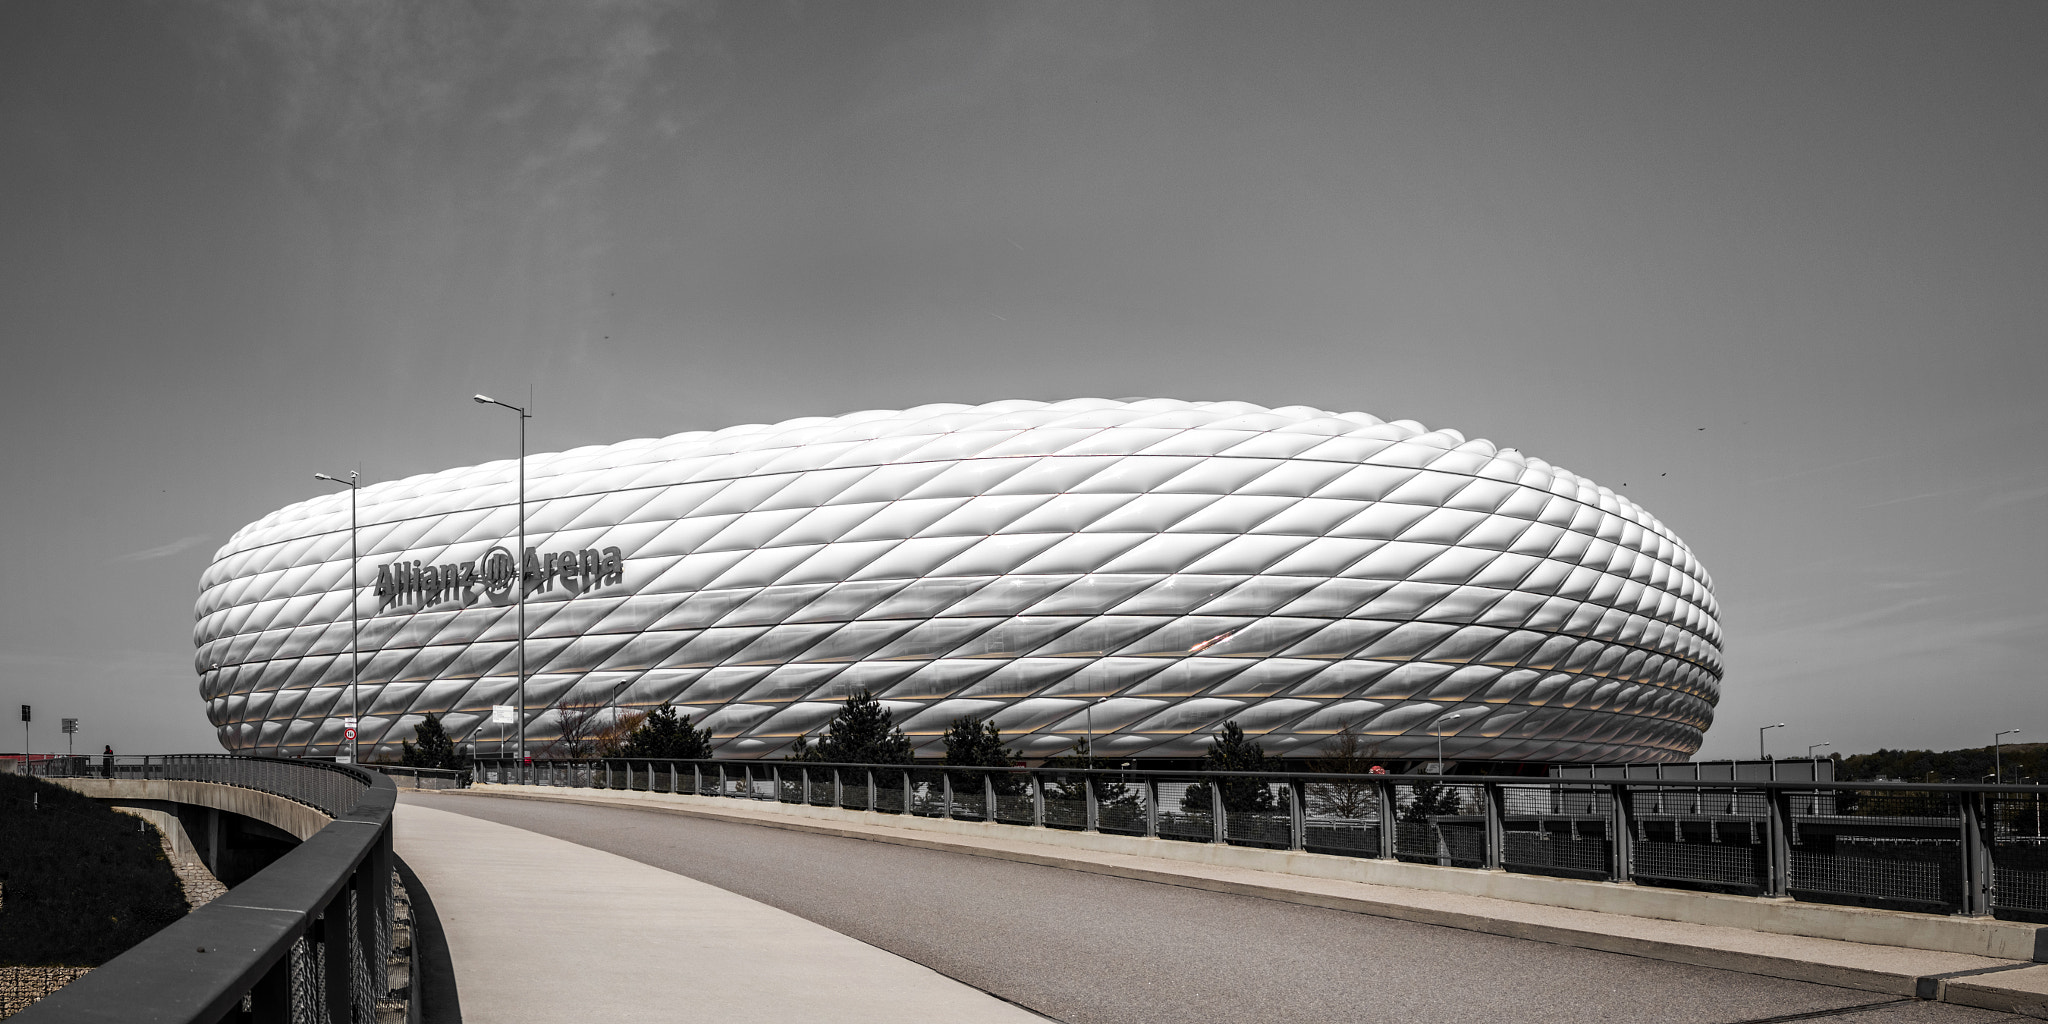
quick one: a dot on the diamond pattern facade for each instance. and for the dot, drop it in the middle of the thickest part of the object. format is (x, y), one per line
(1147, 570)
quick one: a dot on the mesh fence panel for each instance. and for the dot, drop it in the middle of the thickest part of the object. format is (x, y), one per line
(1257, 813)
(1184, 811)
(889, 790)
(1543, 838)
(1701, 838)
(1437, 823)
(1880, 849)
(1120, 805)
(1342, 817)
(1066, 804)
(969, 802)
(1015, 802)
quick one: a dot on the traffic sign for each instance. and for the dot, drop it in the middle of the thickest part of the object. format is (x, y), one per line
(70, 725)
(504, 714)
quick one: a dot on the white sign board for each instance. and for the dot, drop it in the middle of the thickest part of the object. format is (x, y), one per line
(504, 714)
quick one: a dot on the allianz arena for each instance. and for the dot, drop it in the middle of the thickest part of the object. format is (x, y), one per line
(1139, 571)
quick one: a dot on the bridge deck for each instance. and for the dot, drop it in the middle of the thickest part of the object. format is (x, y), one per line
(540, 929)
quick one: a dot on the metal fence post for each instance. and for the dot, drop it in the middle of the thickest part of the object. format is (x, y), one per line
(1493, 800)
(721, 781)
(1297, 814)
(1151, 808)
(1388, 808)
(338, 985)
(1091, 816)
(946, 796)
(1217, 832)
(1621, 835)
(838, 789)
(871, 789)
(906, 791)
(696, 779)
(1778, 842)
(1977, 839)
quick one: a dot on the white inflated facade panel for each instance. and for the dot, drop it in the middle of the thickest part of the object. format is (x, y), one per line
(1147, 570)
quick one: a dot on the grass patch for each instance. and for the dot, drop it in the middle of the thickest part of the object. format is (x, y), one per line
(81, 883)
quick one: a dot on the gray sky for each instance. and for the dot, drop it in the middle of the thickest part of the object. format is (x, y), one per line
(1778, 272)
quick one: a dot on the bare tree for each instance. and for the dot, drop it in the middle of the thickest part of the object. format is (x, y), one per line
(1350, 754)
(581, 721)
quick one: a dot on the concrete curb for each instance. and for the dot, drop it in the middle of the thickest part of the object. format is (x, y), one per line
(2006, 984)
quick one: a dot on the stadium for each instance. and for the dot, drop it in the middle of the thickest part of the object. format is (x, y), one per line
(1135, 572)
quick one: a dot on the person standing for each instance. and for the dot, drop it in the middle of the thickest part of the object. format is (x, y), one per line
(107, 762)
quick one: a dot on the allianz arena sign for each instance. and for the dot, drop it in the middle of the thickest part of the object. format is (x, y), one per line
(578, 572)
(1143, 570)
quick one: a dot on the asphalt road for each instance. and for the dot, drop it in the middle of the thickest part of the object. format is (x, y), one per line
(1093, 949)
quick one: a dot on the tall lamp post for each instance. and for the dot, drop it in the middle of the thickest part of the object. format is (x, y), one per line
(1760, 753)
(1811, 747)
(355, 626)
(519, 573)
(1440, 739)
(1997, 760)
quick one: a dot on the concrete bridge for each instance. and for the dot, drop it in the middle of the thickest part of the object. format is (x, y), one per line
(548, 903)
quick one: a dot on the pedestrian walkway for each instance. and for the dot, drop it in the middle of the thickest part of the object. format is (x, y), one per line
(540, 930)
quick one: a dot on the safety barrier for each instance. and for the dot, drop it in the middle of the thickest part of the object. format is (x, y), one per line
(303, 941)
(1969, 849)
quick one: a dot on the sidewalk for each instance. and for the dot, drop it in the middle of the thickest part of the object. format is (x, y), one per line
(2006, 984)
(541, 930)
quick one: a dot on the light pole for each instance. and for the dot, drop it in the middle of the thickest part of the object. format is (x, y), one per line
(1760, 739)
(1440, 739)
(1090, 748)
(355, 625)
(519, 574)
(1811, 747)
(1998, 761)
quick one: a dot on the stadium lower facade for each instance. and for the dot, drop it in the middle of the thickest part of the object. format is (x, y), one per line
(1139, 572)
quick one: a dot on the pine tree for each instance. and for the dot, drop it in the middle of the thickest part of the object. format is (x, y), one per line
(970, 743)
(1232, 751)
(435, 749)
(860, 733)
(665, 734)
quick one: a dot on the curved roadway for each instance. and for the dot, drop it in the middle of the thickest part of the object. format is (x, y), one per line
(1094, 949)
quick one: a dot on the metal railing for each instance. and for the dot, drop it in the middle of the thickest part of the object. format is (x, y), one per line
(1937, 848)
(407, 777)
(322, 785)
(305, 941)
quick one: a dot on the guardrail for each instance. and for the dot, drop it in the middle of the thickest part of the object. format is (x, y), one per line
(407, 777)
(324, 786)
(305, 940)
(1938, 848)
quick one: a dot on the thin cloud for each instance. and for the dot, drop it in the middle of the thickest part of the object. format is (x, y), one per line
(164, 550)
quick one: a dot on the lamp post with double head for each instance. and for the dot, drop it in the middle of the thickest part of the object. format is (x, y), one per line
(519, 569)
(355, 626)
(1811, 747)
(1760, 739)
(1997, 758)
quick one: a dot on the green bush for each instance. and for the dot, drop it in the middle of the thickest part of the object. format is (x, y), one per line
(81, 883)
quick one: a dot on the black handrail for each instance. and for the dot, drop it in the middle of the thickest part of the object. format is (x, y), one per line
(331, 895)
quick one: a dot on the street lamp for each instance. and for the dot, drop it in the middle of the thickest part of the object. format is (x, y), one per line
(1760, 739)
(1440, 739)
(1811, 747)
(355, 626)
(519, 594)
(1090, 749)
(1998, 762)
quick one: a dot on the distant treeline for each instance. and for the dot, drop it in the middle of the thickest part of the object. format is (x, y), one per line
(2022, 762)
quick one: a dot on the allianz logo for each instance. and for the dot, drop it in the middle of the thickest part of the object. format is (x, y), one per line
(580, 572)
